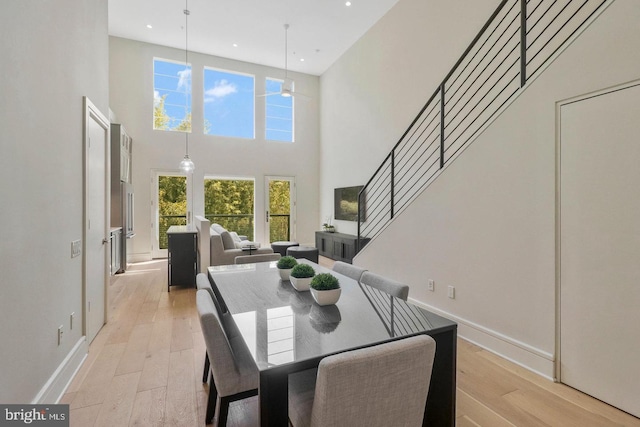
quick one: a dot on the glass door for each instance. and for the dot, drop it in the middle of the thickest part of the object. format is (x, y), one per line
(280, 209)
(171, 206)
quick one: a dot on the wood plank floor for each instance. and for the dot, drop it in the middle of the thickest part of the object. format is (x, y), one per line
(144, 368)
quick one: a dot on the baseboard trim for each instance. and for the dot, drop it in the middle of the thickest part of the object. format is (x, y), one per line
(58, 383)
(534, 359)
(139, 257)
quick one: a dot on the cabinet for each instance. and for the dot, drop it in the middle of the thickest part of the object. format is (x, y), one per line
(121, 145)
(183, 255)
(338, 246)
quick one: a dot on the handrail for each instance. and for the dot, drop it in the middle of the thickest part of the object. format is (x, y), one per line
(486, 80)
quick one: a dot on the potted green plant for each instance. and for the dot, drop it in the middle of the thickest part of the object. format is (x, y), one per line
(325, 289)
(301, 276)
(328, 227)
(285, 265)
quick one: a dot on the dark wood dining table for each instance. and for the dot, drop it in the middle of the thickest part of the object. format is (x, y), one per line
(287, 331)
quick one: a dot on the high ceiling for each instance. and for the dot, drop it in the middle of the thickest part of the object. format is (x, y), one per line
(320, 30)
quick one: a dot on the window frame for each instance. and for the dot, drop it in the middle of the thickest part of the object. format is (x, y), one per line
(188, 109)
(293, 108)
(204, 102)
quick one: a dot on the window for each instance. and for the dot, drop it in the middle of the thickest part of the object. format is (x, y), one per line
(228, 104)
(229, 202)
(171, 95)
(279, 113)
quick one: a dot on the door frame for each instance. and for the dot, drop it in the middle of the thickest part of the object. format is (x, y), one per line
(156, 252)
(558, 201)
(91, 112)
(292, 205)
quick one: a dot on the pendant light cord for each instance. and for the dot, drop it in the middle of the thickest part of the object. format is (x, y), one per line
(286, 49)
(186, 65)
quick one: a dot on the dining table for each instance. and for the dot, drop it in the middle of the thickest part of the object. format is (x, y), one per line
(286, 331)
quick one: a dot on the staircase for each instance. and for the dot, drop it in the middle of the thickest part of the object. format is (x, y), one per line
(520, 39)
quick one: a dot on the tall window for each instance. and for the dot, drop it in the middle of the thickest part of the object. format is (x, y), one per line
(171, 95)
(229, 202)
(279, 113)
(172, 205)
(228, 103)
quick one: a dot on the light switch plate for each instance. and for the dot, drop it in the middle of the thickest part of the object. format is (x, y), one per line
(76, 248)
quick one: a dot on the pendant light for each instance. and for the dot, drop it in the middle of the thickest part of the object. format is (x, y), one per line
(186, 165)
(286, 86)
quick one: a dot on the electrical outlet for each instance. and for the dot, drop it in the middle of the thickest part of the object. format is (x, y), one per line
(60, 332)
(431, 286)
(72, 319)
(452, 292)
(75, 248)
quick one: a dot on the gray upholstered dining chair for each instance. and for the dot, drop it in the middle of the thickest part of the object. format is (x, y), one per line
(248, 259)
(383, 385)
(348, 270)
(234, 374)
(202, 282)
(393, 288)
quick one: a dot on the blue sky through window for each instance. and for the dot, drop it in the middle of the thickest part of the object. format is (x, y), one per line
(172, 81)
(229, 103)
(279, 113)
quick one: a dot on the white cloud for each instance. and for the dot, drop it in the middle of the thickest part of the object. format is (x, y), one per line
(220, 89)
(185, 79)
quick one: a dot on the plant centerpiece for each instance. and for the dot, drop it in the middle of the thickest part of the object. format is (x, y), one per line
(301, 276)
(328, 227)
(285, 265)
(325, 289)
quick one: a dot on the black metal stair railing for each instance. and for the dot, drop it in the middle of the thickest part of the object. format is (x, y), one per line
(514, 45)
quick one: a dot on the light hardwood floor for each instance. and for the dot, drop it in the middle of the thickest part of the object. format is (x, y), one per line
(144, 368)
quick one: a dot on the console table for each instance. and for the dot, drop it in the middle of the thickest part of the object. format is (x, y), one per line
(338, 246)
(183, 255)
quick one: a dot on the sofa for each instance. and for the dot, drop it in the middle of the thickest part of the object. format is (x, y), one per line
(225, 246)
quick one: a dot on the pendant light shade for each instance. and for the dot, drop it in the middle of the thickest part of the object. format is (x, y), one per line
(186, 165)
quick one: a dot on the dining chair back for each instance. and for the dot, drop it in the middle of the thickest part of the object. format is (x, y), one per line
(248, 259)
(393, 288)
(383, 385)
(202, 282)
(234, 375)
(348, 270)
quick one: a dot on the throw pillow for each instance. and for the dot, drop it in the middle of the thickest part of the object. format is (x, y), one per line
(227, 240)
(218, 228)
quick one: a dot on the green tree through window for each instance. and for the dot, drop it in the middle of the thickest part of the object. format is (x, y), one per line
(230, 203)
(172, 205)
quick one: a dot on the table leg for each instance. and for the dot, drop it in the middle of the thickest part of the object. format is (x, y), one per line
(274, 398)
(441, 401)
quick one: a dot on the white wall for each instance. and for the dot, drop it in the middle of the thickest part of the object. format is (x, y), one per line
(131, 97)
(374, 91)
(53, 53)
(487, 224)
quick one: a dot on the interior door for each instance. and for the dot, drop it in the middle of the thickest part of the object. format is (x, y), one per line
(280, 215)
(171, 205)
(600, 246)
(96, 233)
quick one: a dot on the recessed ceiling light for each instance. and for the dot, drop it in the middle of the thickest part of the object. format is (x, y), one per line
(149, 26)
(235, 45)
(301, 59)
(348, 3)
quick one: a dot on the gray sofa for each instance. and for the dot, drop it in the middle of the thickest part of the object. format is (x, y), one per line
(225, 247)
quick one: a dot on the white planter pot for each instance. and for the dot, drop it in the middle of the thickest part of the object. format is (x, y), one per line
(285, 273)
(326, 297)
(300, 284)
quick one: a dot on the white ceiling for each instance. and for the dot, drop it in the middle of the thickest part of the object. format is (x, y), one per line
(320, 30)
